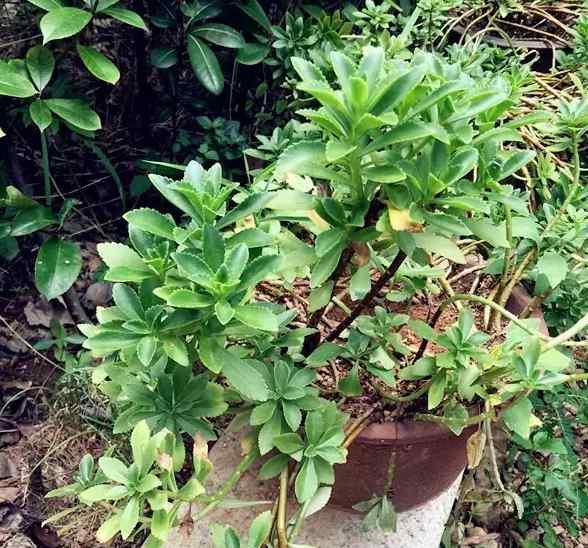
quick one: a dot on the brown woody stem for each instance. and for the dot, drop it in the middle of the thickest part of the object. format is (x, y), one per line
(365, 302)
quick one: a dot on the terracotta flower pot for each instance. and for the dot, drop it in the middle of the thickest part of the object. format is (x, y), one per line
(546, 49)
(426, 457)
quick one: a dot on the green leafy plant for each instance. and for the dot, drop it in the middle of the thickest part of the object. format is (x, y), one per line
(200, 31)
(58, 262)
(397, 164)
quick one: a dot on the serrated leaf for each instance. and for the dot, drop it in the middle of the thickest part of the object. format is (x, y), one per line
(150, 220)
(257, 316)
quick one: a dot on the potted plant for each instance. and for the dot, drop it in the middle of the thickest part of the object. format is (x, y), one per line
(400, 170)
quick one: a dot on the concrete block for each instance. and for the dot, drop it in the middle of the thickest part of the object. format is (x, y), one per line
(329, 528)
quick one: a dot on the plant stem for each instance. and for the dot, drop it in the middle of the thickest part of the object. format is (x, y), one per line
(45, 167)
(299, 519)
(567, 335)
(230, 483)
(282, 504)
(573, 189)
(492, 451)
(507, 254)
(357, 310)
(312, 341)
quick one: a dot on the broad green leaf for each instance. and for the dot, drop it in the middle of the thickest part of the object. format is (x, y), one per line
(360, 283)
(433, 243)
(142, 450)
(517, 160)
(103, 492)
(186, 298)
(40, 64)
(99, 65)
(160, 526)
(554, 267)
(477, 105)
(308, 71)
(259, 269)
(320, 296)
(63, 23)
(46, 5)
(224, 312)
(126, 16)
(115, 254)
(194, 268)
(306, 481)
(146, 350)
(105, 4)
(252, 204)
(109, 528)
(254, 10)
(273, 466)
(57, 266)
(30, 220)
(337, 150)
(129, 517)
(244, 377)
(408, 131)
(175, 348)
(518, 417)
(325, 352)
(291, 200)
(150, 220)
(164, 57)
(436, 391)
(213, 247)
(128, 302)
(350, 384)
(257, 316)
(252, 53)
(397, 91)
(298, 158)
(289, 443)
(205, 65)
(384, 174)
(13, 83)
(114, 469)
(262, 413)
(40, 114)
(486, 230)
(259, 530)
(461, 164)
(76, 112)
(325, 266)
(219, 34)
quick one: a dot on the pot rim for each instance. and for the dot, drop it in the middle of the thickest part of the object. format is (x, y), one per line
(406, 432)
(528, 43)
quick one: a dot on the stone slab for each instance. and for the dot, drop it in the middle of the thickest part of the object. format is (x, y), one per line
(331, 527)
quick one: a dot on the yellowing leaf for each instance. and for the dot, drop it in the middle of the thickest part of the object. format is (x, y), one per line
(400, 220)
(475, 448)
